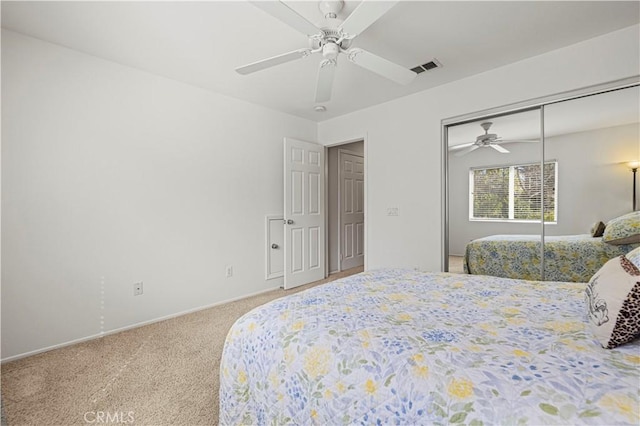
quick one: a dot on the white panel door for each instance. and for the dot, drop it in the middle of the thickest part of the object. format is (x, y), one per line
(304, 255)
(351, 210)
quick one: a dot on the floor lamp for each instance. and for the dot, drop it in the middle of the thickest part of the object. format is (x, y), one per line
(634, 168)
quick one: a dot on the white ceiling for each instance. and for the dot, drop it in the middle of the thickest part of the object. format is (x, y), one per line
(201, 43)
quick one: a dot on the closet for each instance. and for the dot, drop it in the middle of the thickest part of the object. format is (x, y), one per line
(524, 179)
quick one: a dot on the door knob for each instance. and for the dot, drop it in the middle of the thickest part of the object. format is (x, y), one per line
(274, 246)
(289, 222)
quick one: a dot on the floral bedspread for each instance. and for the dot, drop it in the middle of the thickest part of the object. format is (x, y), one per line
(405, 347)
(572, 258)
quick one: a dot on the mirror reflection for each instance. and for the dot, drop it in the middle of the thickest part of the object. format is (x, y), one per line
(499, 196)
(592, 138)
(494, 196)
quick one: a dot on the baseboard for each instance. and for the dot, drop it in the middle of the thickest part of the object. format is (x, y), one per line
(129, 327)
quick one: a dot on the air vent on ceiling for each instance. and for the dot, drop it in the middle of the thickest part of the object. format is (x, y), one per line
(427, 66)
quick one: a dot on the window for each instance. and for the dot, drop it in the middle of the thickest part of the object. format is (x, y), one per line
(512, 193)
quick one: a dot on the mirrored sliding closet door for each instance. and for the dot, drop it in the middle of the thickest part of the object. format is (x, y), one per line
(589, 142)
(494, 169)
(529, 187)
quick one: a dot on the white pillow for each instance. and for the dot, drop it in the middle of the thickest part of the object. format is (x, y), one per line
(613, 302)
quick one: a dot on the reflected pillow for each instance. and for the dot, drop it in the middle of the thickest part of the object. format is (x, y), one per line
(623, 230)
(634, 257)
(597, 229)
(613, 302)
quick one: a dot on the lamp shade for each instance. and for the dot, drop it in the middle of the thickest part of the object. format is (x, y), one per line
(633, 164)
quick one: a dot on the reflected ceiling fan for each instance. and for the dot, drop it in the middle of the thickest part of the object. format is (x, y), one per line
(332, 37)
(488, 140)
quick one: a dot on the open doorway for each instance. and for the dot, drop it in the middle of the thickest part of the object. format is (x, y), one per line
(345, 206)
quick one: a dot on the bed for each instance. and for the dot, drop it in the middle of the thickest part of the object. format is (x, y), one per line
(572, 258)
(406, 347)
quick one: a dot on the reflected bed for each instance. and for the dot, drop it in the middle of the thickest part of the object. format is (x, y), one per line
(571, 258)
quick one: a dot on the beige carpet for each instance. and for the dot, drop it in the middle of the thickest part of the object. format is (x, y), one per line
(161, 374)
(456, 264)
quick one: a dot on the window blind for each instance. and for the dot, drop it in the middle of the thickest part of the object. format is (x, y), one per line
(491, 193)
(513, 192)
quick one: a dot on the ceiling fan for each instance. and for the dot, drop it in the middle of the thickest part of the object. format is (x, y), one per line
(332, 37)
(488, 140)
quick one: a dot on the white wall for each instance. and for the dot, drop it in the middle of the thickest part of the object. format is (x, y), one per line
(110, 176)
(332, 200)
(404, 140)
(593, 185)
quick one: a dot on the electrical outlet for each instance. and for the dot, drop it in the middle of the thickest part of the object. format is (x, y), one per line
(137, 289)
(229, 271)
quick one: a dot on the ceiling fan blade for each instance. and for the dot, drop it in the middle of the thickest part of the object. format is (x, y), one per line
(517, 140)
(381, 66)
(364, 15)
(499, 148)
(325, 80)
(460, 146)
(281, 11)
(466, 151)
(275, 60)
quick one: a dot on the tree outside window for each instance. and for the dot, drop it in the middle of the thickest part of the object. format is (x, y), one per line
(513, 193)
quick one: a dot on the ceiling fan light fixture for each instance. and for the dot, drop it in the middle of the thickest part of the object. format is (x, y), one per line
(330, 51)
